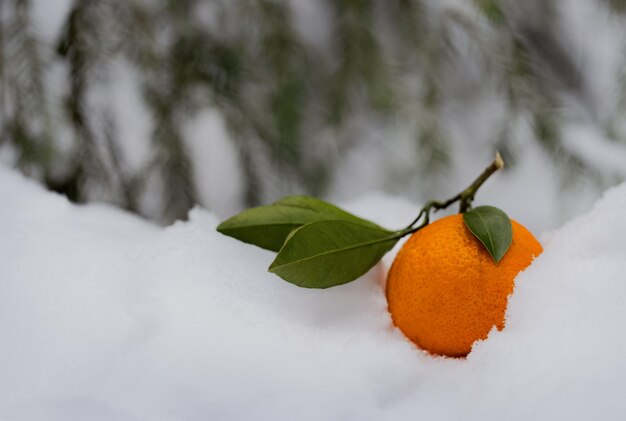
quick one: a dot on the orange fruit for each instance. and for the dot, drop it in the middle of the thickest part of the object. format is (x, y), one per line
(444, 289)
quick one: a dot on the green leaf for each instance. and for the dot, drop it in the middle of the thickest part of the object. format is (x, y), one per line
(269, 226)
(492, 227)
(325, 254)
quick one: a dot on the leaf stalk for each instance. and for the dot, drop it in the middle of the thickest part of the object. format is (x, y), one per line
(465, 197)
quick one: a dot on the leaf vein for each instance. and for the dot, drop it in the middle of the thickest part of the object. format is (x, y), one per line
(380, 240)
(487, 230)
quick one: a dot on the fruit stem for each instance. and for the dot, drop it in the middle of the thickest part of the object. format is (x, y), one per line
(466, 197)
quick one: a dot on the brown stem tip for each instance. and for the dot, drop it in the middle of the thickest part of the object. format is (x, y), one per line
(499, 162)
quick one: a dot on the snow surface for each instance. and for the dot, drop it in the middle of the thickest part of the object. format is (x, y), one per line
(106, 317)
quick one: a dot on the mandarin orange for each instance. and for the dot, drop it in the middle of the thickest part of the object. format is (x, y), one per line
(445, 291)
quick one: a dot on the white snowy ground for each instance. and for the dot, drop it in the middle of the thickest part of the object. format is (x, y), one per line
(106, 317)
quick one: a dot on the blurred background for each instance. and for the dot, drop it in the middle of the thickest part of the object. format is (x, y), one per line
(156, 106)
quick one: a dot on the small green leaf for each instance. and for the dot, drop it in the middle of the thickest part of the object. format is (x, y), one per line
(323, 209)
(269, 226)
(328, 253)
(492, 227)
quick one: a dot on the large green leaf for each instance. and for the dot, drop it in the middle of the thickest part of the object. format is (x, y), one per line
(328, 253)
(492, 227)
(269, 226)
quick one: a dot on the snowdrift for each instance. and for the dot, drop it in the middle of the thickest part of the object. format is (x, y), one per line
(106, 317)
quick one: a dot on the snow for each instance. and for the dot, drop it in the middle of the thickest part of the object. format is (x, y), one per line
(104, 316)
(384, 155)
